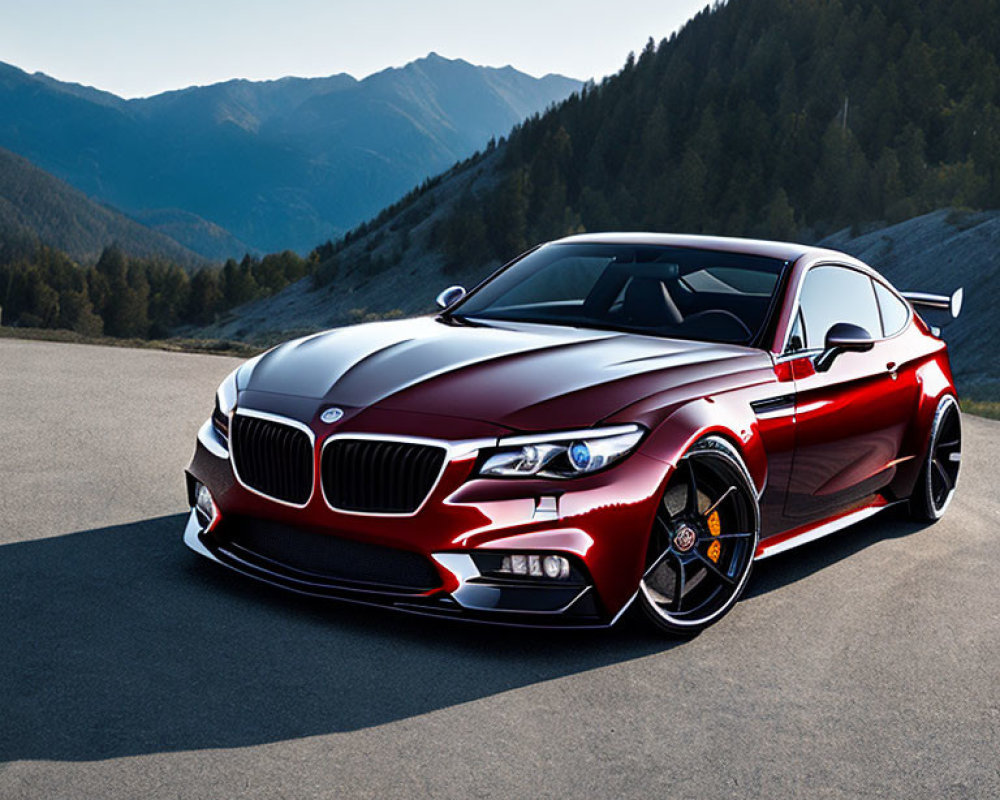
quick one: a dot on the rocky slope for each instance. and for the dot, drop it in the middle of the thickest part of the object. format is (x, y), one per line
(936, 252)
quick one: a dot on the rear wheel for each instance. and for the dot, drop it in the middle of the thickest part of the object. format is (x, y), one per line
(939, 475)
(703, 540)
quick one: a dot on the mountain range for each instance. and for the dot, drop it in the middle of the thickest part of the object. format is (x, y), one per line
(271, 165)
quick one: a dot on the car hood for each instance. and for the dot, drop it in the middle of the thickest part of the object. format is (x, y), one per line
(520, 376)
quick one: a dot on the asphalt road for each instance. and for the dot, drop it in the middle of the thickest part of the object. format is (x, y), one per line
(866, 664)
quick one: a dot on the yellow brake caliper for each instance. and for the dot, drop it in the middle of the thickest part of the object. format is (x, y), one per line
(714, 528)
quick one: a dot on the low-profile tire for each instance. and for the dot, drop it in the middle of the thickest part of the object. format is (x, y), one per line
(696, 566)
(939, 474)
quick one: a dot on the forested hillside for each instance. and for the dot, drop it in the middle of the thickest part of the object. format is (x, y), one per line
(761, 117)
(125, 295)
(33, 203)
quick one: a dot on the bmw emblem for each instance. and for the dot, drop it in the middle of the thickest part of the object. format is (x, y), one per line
(685, 538)
(332, 415)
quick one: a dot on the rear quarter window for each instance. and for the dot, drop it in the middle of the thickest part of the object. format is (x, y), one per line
(895, 312)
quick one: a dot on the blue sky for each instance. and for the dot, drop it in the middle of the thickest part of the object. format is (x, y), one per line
(141, 47)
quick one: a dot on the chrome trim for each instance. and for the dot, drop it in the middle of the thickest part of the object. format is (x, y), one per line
(227, 393)
(454, 451)
(292, 423)
(464, 569)
(820, 531)
(562, 436)
(191, 537)
(211, 441)
(624, 608)
(546, 509)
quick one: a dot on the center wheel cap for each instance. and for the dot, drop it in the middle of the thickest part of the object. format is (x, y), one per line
(685, 538)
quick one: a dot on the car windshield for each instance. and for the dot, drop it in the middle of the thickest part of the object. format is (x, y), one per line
(662, 291)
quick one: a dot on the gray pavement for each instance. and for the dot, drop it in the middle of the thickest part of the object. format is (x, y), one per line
(863, 665)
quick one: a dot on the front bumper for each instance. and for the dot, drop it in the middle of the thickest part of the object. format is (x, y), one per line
(601, 523)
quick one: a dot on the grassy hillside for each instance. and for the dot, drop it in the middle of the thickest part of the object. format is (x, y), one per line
(35, 204)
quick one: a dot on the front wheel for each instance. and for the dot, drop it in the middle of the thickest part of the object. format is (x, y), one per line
(703, 541)
(939, 474)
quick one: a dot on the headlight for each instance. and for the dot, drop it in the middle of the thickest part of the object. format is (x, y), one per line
(225, 397)
(225, 402)
(561, 455)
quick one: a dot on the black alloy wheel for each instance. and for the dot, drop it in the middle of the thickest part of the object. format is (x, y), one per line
(703, 541)
(939, 475)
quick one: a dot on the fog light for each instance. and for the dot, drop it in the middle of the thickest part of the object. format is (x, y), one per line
(556, 567)
(537, 566)
(204, 504)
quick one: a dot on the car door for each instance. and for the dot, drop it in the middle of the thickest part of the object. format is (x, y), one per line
(850, 419)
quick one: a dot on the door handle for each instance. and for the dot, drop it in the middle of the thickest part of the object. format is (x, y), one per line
(893, 369)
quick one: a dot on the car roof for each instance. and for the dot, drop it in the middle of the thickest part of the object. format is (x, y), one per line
(784, 251)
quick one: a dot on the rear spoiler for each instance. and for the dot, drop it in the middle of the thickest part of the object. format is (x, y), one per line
(940, 302)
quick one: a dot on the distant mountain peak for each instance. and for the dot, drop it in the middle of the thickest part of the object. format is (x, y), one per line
(278, 164)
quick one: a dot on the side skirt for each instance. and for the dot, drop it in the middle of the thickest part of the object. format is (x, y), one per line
(810, 533)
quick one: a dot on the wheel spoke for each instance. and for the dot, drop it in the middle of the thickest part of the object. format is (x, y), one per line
(718, 502)
(943, 474)
(656, 564)
(691, 507)
(728, 536)
(947, 445)
(679, 582)
(713, 569)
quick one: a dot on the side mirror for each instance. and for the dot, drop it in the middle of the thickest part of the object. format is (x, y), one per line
(843, 337)
(450, 296)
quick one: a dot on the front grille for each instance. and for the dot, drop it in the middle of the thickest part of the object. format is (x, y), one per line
(310, 557)
(273, 458)
(379, 477)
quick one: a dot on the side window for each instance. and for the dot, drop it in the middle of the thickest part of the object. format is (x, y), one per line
(837, 294)
(894, 311)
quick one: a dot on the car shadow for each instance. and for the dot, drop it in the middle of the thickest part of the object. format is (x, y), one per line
(120, 642)
(794, 565)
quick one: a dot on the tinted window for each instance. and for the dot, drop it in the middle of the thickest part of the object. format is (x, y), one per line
(894, 311)
(837, 294)
(666, 291)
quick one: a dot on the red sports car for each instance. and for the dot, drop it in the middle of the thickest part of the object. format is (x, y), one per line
(607, 420)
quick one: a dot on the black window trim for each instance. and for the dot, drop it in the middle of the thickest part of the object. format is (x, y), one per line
(909, 309)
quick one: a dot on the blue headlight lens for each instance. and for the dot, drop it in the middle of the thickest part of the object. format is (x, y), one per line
(560, 456)
(579, 455)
